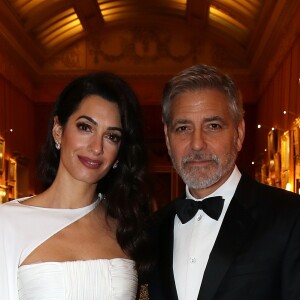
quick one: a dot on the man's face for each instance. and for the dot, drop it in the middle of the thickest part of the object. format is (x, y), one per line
(203, 140)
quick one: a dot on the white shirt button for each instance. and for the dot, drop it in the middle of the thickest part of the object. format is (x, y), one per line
(199, 218)
(193, 260)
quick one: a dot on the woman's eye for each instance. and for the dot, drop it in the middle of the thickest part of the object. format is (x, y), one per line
(84, 127)
(114, 137)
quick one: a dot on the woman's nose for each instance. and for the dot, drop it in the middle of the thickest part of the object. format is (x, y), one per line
(96, 145)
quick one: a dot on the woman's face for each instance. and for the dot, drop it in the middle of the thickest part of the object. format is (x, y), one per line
(90, 141)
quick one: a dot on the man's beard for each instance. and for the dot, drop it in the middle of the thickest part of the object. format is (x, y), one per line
(201, 177)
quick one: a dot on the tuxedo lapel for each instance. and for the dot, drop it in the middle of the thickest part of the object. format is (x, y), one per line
(166, 258)
(236, 225)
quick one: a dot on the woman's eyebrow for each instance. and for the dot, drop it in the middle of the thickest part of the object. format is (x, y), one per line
(115, 128)
(95, 123)
(88, 118)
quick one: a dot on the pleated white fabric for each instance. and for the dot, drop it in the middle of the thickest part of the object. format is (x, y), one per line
(101, 279)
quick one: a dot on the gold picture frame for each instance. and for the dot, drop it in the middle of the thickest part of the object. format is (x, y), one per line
(272, 143)
(285, 151)
(277, 169)
(2, 155)
(11, 179)
(296, 154)
(12, 171)
(2, 194)
(285, 158)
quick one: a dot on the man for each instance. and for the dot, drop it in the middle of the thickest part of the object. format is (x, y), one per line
(252, 249)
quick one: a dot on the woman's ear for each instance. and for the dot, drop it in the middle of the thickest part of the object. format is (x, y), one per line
(57, 130)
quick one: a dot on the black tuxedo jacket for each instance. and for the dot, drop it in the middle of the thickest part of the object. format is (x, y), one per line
(256, 254)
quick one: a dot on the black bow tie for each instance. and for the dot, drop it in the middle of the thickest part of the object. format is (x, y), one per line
(187, 208)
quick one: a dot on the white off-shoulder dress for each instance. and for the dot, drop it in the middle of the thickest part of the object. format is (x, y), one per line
(23, 228)
(110, 279)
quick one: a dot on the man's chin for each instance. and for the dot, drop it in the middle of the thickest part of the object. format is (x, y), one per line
(200, 173)
(199, 182)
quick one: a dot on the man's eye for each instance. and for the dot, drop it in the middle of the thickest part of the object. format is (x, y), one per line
(181, 129)
(84, 127)
(214, 126)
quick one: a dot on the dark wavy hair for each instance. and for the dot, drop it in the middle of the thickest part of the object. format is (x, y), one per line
(127, 197)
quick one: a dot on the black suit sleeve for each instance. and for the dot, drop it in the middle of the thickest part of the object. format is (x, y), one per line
(291, 266)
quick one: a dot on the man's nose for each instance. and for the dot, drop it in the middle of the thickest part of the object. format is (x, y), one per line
(198, 140)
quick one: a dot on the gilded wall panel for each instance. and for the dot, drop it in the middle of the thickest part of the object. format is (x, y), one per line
(143, 50)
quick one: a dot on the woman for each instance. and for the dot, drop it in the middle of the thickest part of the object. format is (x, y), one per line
(83, 237)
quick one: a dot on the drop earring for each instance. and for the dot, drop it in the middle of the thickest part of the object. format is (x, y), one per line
(115, 164)
(57, 145)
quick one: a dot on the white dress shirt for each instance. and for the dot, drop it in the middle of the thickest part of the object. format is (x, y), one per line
(194, 240)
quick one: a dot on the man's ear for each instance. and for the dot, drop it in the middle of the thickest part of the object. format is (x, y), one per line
(241, 135)
(57, 130)
(166, 137)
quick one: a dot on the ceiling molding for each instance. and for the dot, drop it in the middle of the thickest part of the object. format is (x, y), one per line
(16, 39)
(197, 14)
(89, 14)
(38, 31)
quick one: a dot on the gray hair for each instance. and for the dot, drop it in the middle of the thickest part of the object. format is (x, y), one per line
(200, 77)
